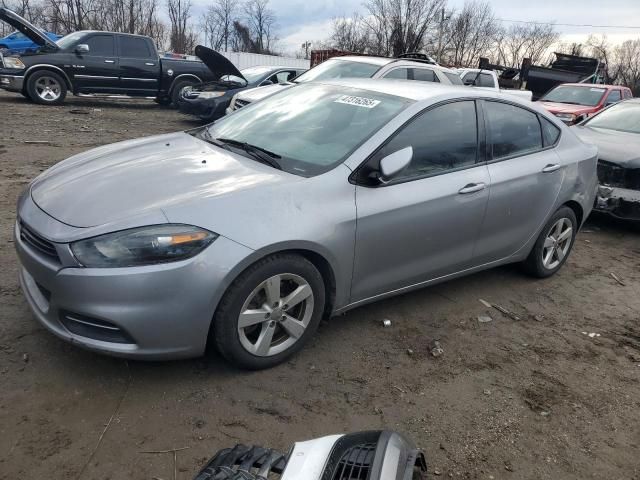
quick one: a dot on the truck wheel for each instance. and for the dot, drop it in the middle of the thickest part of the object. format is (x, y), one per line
(177, 88)
(164, 101)
(46, 88)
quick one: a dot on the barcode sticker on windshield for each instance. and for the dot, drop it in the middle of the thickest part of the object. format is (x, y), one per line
(357, 101)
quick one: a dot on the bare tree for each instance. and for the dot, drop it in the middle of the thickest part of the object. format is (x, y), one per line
(350, 34)
(525, 41)
(599, 47)
(628, 64)
(471, 33)
(217, 24)
(181, 37)
(261, 22)
(400, 26)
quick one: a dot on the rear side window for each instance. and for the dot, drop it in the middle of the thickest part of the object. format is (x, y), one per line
(133, 47)
(454, 78)
(399, 73)
(481, 80)
(512, 130)
(101, 45)
(424, 75)
(444, 138)
(627, 94)
(550, 132)
(614, 97)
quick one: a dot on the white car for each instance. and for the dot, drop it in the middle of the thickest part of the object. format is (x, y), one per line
(488, 80)
(356, 67)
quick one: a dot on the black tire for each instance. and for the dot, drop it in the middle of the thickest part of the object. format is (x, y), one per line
(177, 87)
(54, 78)
(534, 264)
(224, 330)
(164, 101)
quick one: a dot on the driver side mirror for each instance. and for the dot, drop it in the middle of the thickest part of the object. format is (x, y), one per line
(82, 48)
(266, 82)
(395, 163)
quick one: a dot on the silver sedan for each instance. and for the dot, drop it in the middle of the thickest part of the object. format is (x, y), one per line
(244, 233)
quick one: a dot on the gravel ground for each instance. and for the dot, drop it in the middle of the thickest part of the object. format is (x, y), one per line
(528, 399)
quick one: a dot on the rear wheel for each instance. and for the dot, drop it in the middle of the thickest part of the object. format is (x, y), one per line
(554, 244)
(46, 88)
(269, 312)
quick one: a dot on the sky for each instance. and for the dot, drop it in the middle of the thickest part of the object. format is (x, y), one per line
(302, 20)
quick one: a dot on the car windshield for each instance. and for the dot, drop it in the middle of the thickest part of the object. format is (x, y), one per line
(253, 74)
(334, 68)
(575, 95)
(310, 128)
(624, 117)
(68, 40)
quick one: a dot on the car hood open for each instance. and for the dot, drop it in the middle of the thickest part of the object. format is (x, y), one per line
(23, 26)
(622, 148)
(219, 65)
(137, 177)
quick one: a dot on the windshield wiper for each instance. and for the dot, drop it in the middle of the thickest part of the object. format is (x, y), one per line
(261, 154)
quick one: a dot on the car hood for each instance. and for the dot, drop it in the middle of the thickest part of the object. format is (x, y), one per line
(23, 26)
(622, 148)
(219, 65)
(138, 177)
(258, 93)
(554, 107)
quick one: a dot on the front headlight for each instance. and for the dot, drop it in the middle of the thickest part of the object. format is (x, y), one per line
(13, 62)
(206, 95)
(142, 246)
(566, 117)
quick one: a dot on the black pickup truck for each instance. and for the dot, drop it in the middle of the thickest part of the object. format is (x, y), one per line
(95, 62)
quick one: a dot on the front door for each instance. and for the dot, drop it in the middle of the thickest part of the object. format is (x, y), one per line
(526, 176)
(97, 70)
(423, 224)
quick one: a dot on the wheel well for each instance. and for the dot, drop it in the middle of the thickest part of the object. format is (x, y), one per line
(52, 70)
(328, 276)
(577, 209)
(180, 78)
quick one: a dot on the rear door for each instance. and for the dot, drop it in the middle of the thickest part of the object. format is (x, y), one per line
(96, 70)
(139, 65)
(423, 224)
(526, 177)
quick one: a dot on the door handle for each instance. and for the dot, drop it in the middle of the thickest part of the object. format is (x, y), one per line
(472, 188)
(150, 64)
(109, 61)
(552, 167)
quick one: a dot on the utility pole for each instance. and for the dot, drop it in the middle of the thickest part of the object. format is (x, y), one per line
(443, 18)
(306, 46)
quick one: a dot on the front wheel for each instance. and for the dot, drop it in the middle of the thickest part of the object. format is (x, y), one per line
(554, 244)
(46, 88)
(177, 88)
(269, 312)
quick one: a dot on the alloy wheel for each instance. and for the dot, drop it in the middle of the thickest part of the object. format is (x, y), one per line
(48, 89)
(557, 243)
(275, 315)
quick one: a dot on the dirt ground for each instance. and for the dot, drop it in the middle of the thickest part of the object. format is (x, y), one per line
(518, 399)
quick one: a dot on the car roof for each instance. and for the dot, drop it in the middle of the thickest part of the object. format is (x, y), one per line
(365, 59)
(412, 89)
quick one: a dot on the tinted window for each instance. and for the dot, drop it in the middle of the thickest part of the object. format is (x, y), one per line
(443, 139)
(132, 47)
(424, 75)
(614, 97)
(453, 78)
(550, 132)
(512, 130)
(101, 45)
(482, 80)
(399, 73)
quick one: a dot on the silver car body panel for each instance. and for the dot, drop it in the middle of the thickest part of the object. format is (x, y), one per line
(377, 241)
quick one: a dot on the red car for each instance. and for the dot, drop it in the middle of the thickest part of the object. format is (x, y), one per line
(573, 102)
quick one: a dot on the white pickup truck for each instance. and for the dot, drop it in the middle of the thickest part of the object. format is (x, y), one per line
(488, 80)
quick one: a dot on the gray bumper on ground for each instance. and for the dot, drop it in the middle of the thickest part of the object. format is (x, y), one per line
(621, 203)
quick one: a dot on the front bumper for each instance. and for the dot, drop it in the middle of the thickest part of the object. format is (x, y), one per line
(153, 312)
(618, 202)
(12, 83)
(206, 109)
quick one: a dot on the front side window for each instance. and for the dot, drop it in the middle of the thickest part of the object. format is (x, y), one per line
(575, 95)
(398, 73)
(286, 76)
(424, 75)
(511, 130)
(101, 45)
(134, 47)
(335, 68)
(311, 128)
(614, 97)
(443, 138)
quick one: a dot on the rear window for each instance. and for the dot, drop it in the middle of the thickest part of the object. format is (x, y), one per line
(134, 47)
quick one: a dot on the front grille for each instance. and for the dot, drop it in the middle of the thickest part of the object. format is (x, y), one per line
(356, 463)
(614, 175)
(37, 242)
(240, 103)
(93, 328)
